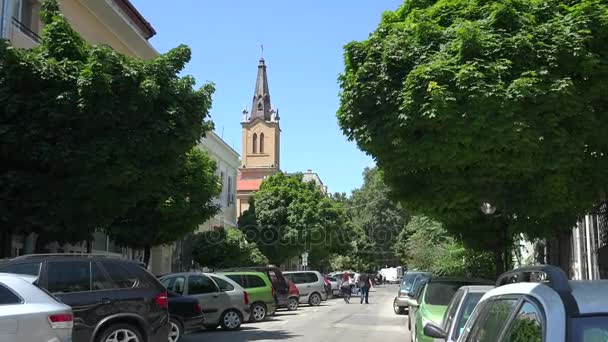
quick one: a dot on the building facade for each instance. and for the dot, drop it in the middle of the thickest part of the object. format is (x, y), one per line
(261, 142)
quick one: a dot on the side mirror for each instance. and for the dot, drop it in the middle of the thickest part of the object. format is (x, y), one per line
(432, 330)
(414, 303)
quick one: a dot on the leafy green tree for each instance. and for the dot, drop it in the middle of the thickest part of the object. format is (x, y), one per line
(224, 248)
(425, 244)
(290, 216)
(88, 132)
(463, 103)
(175, 210)
(377, 220)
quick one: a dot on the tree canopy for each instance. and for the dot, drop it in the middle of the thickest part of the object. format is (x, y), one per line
(225, 248)
(177, 209)
(88, 132)
(464, 102)
(289, 217)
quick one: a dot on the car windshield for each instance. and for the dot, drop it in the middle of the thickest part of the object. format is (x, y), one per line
(408, 280)
(467, 308)
(590, 329)
(440, 293)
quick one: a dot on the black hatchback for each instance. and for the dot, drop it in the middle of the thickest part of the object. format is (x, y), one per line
(112, 299)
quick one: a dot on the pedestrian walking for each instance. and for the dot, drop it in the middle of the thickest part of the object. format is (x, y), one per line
(346, 287)
(365, 283)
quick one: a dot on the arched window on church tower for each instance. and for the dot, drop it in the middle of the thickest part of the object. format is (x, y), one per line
(261, 142)
(255, 143)
(260, 106)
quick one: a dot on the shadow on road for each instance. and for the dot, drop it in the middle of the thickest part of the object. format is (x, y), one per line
(242, 335)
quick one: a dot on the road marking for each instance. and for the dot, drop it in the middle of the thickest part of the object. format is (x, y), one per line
(382, 328)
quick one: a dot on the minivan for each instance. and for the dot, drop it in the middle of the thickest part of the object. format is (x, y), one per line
(310, 284)
(261, 293)
(111, 297)
(279, 283)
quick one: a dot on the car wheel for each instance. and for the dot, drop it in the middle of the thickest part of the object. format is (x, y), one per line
(231, 320)
(175, 331)
(258, 312)
(315, 299)
(120, 333)
(399, 310)
(293, 304)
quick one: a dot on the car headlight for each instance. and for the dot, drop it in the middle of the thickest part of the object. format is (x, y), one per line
(402, 293)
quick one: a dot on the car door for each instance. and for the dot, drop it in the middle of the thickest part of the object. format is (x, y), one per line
(9, 324)
(489, 325)
(527, 325)
(207, 293)
(70, 281)
(301, 281)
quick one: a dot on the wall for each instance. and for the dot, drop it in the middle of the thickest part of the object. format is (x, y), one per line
(271, 155)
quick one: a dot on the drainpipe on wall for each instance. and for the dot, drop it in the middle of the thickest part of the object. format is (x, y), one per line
(3, 19)
(589, 253)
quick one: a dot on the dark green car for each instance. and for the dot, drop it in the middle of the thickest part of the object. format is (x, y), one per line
(260, 291)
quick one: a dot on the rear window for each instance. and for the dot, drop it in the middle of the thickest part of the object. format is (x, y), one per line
(298, 278)
(223, 285)
(125, 275)
(7, 296)
(254, 281)
(441, 293)
(68, 276)
(30, 268)
(590, 329)
(236, 278)
(312, 277)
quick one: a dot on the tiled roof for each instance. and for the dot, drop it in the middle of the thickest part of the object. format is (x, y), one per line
(248, 184)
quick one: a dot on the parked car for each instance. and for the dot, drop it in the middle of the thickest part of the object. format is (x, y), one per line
(335, 284)
(224, 302)
(310, 284)
(185, 316)
(28, 313)
(457, 314)
(260, 290)
(400, 303)
(279, 283)
(432, 303)
(112, 298)
(539, 303)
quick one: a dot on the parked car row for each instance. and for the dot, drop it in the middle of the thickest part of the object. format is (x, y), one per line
(99, 298)
(529, 304)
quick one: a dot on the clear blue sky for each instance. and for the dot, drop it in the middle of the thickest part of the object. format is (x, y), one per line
(303, 48)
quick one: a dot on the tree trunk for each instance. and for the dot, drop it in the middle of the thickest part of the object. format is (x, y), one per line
(147, 251)
(89, 246)
(499, 263)
(41, 243)
(565, 251)
(6, 243)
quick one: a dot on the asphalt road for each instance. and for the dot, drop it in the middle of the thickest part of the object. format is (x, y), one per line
(333, 321)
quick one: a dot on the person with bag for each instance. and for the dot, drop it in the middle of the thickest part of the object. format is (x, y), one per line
(346, 287)
(365, 284)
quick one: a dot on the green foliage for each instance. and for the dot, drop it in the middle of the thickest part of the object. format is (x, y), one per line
(87, 133)
(176, 209)
(377, 221)
(290, 216)
(226, 248)
(346, 262)
(426, 245)
(462, 102)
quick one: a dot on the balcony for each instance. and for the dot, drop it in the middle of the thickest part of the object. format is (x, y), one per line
(22, 36)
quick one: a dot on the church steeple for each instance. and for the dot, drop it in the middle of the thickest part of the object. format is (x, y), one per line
(261, 107)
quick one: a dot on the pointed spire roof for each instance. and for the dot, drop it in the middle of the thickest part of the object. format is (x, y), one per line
(261, 96)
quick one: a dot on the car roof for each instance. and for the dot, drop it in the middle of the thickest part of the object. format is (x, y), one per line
(590, 295)
(257, 273)
(436, 279)
(291, 272)
(477, 288)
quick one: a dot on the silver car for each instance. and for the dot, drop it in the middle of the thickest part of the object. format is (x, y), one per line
(310, 284)
(27, 313)
(223, 301)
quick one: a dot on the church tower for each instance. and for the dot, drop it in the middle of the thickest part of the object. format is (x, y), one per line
(261, 141)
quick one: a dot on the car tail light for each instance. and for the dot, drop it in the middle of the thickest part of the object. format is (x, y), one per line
(246, 297)
(197, 308)
(61, 321)
(162, 300)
